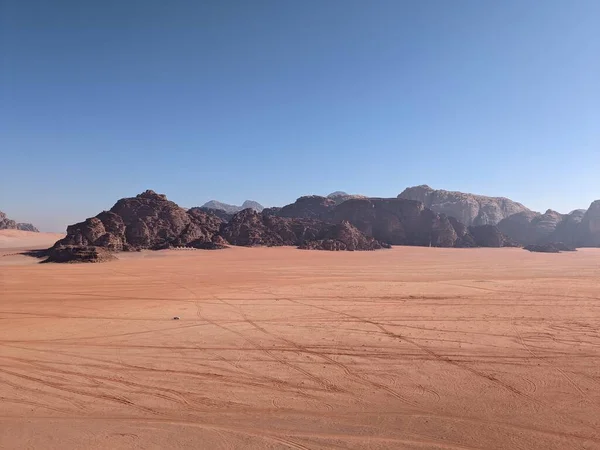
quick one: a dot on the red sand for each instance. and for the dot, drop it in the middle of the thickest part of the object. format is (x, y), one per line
(411, 348)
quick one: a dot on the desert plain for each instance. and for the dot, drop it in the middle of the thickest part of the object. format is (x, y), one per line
(279, 348)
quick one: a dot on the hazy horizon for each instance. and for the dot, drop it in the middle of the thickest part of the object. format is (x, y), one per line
(270, 101)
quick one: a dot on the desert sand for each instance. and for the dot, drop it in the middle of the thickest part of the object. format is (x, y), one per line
(278, 348)
(10, 239)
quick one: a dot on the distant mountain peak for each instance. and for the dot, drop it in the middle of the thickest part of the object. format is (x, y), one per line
(232, 209)
(338, 194)
(9, 224)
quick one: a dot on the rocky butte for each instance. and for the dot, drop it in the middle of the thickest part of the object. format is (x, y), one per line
(151, 221)
(8, 224)
(336, 222)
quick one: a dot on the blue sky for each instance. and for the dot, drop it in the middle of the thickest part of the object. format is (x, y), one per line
(270, 100)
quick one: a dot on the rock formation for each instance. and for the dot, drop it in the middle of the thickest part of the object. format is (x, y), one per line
(589, 228)
(221, 214)
(575, 229)
(469, 209)
(249, 228)
(490, 236)
(340, 196)
(78, 253)
(553, 247)
(232, 209)
(147, 221)
(307, 207)
(392, 221)
(343, 236)
(397, 221)
(8, 224)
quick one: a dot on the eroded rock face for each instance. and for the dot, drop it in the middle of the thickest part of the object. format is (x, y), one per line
(490, 236)
(249, 228)
(224, 216)
(78, 254)
(392, 221)
(307, 207)
(397, 221)
(147, 221)
(9, 224)
(470, 209)
(530, 228)
(590, 226)
(343, 236)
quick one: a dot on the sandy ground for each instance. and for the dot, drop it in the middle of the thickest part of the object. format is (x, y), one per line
(410, 348)
(11, 239)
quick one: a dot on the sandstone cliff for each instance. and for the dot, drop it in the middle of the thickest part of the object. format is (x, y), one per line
(469, 209)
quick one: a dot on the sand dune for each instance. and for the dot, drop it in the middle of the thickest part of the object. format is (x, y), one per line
(411, 348)
(27, 239)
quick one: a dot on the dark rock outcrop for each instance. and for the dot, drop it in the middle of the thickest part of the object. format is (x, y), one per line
(221, 214)
(589, 230)
(343, 236)
(568, 229)
(78, 253)
(249, 228)
(393, 221)
(307, 207)
(9, 224)
(147, 221)
(470, 209)
(490, 236)
(552, 247)
(397, 221)
(530, 228)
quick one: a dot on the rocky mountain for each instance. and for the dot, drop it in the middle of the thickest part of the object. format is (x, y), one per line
(232, 209)
(250, 228)
(221, 214)
(393, 221)
(589, 228)
(469, 209)
(307, 207)
(8, 224)
(147, 221)
(151, 221)
(579, 228)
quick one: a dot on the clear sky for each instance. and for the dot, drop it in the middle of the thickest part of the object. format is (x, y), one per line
(270, 100)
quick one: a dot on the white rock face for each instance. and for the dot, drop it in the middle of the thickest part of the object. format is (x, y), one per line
(470, 209)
